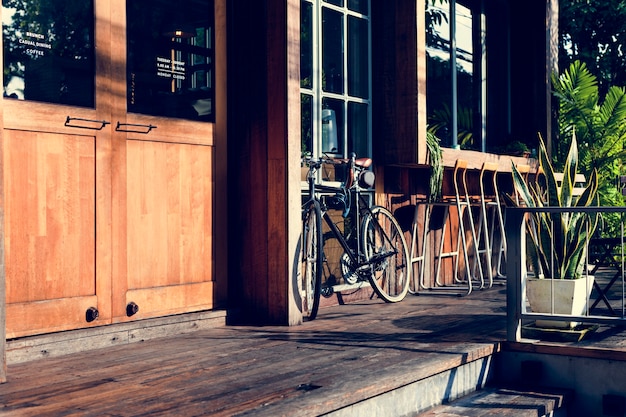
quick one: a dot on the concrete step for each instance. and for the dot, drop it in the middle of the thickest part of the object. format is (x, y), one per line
(505, 402)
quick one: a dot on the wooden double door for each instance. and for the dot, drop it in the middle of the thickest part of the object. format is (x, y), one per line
(107, 162)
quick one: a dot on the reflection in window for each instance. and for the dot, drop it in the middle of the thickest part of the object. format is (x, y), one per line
(332, 50)
(358, 65)
(335, 77)
(452, 102)
(49, 51)
(170, 58)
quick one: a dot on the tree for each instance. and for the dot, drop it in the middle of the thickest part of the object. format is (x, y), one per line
(594, 32)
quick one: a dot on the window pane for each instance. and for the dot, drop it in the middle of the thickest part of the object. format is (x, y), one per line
(332, 51)
(358, 6)
(170, 58)
(332, 126)
(306, 45)
(467, 101)
(358, 74)
(439, 82)
(49, 51)
(307, 123)
(357, 129)
(440, 88)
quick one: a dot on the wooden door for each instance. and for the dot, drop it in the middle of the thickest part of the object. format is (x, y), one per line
(164, 189)
(56, 164)
(163, 164)
(108, 208)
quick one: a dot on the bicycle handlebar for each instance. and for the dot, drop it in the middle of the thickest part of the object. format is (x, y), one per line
(357, 172)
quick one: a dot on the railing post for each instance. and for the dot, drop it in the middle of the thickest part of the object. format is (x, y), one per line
(515, 270)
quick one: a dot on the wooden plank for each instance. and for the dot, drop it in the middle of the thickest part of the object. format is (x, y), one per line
(477, 159)
(350, 353)
(58, 344)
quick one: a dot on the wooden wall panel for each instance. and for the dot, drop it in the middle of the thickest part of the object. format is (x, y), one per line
(169, 215)
(49, 230)
(50, 215)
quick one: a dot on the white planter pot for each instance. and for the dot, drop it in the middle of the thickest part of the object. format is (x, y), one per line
(570, 297)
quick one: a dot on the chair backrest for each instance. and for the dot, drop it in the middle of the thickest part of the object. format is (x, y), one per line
(459, 181)
(488, 183)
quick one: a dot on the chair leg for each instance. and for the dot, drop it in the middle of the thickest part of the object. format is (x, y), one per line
(454, 254)
(419, 256)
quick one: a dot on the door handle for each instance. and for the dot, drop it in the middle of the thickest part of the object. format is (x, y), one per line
(100, 123)
(136, 128)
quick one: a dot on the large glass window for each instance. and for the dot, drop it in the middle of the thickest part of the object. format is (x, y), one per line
(455, 81)
(49, 51)
(170, 58)
(335, 77)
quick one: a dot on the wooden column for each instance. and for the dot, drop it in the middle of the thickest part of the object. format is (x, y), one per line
(264, 154)
(3, 298)
(399, 74)
(220, 224)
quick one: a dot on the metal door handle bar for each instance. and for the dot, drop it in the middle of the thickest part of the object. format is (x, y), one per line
(101, 123)
(129, 127)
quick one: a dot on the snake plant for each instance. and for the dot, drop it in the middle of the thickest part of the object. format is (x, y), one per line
(557, 242)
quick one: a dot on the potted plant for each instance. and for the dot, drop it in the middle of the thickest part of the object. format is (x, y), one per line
(557, 242)
(517, 148)
(435, 160)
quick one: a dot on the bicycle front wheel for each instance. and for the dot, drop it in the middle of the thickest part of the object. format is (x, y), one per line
(385, 247)
(311, 261)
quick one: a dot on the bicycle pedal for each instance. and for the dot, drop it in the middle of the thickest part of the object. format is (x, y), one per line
(327, 291)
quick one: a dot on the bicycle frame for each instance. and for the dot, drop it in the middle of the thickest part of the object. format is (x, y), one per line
(352, 194)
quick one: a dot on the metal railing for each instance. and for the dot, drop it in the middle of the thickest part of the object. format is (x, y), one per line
(606, 257)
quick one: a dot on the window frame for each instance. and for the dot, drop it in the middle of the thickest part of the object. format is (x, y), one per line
(316, 91)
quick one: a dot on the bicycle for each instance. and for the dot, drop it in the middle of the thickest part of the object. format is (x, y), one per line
(374, 246)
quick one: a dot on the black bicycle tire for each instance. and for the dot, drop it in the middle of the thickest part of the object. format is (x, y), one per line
(312, 260)
(380, 278)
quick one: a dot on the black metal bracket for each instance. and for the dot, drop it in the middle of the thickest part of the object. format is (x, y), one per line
(101, 123)
(136, 128)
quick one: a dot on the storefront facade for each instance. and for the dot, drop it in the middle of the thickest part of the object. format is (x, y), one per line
(151, 152)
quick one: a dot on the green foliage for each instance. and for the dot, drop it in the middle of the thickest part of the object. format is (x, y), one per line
(516, 147)
(594, 32)
(600, 127)
(556, 242)
(435, 159)
(441, 120)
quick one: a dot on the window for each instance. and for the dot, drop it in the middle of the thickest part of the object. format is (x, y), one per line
(170, 58)
(335, 78)
(49, 51)
(456, 83)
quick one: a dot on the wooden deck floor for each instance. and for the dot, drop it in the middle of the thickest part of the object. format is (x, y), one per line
(349, 353)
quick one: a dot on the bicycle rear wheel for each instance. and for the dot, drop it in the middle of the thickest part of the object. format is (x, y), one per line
(385, 246)
(311, 260)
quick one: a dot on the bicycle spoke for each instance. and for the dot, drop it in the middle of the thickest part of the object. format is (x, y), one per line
(387, 252)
